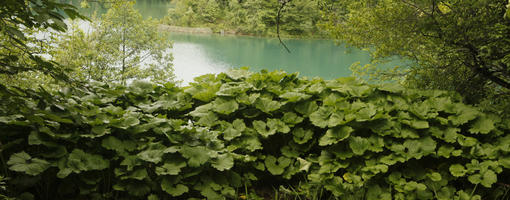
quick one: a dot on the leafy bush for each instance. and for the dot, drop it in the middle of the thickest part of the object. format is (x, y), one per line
(241, 130)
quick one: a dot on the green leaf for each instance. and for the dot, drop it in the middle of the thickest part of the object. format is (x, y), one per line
(475, 178)
(276, 166)
(201, 111)
(171, 167)
(234, 130)
(98, 131)
(223, 162)
(458, 170)
(376, 143)
(174, 190)
(291, 118)
(392, 87)
(250, 143)
(320, 117)
(446, 193)
(466, 141)
(131, 162)
(411, 186)
(306, 108)
(420, 148)
(505, 162)
(35, 138)
(138, 174)
(209, 119)
(315, 88)
(267, 105)
(204, 92)
(224, 106)
(79, 161)
(335, 135)
(112, 143)
(329, 163)
(22, 162)
(232, 89)
(304, 165)
(196, 155)
(301, 135)
(263, 129)
(449, 134)
(417, 124)
(151, 155)
(434, 176)
(336, 118)
(489, 178)
(237, 74)
(366, 113)
(294, 96)
(464, 114)
(483, 125)
(127, 122)
(445, 151)
(375, 192)
(247, 99)
(391, 159)
(358, 145)
(332, 99)
(278, 125)
(153, 197)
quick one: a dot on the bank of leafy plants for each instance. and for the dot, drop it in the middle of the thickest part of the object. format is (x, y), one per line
(241, 135)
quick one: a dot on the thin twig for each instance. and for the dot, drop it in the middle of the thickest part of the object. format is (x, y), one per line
(283, 3)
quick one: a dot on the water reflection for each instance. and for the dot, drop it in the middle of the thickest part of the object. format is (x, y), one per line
(191, 60)
(308, 57)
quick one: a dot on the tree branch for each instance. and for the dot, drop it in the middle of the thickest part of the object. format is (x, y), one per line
(479, 67)
(283, 3)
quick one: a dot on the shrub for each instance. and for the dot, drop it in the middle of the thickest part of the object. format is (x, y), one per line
(242, 130)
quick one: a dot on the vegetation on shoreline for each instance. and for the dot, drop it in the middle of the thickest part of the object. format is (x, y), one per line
(241, 134)
(120, 46)
(251, 17)
(457, 45)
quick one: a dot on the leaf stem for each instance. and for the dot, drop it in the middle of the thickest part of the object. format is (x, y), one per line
(473, 192)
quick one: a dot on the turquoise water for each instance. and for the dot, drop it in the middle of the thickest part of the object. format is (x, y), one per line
(195, 55)
(199, 54)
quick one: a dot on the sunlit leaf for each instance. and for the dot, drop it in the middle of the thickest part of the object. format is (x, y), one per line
(24, 163)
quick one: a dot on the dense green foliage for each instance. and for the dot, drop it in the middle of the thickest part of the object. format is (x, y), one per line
(257, 17)
(120, 46)
(460, 45)
(19, 48)
(242, 130)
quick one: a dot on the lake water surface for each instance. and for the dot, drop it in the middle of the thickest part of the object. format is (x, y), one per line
(200, 54)
(196, 55)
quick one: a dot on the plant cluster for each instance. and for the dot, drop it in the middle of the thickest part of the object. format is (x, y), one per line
(120, 47)
(21, 45)
(457, 45)
(238, 134)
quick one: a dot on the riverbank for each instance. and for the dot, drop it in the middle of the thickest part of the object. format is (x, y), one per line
(208, 30)
(180, 29)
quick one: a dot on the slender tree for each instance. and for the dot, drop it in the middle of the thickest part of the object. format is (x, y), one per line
(121, 47)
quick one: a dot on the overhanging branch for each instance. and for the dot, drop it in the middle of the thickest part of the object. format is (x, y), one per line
(282, 5)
